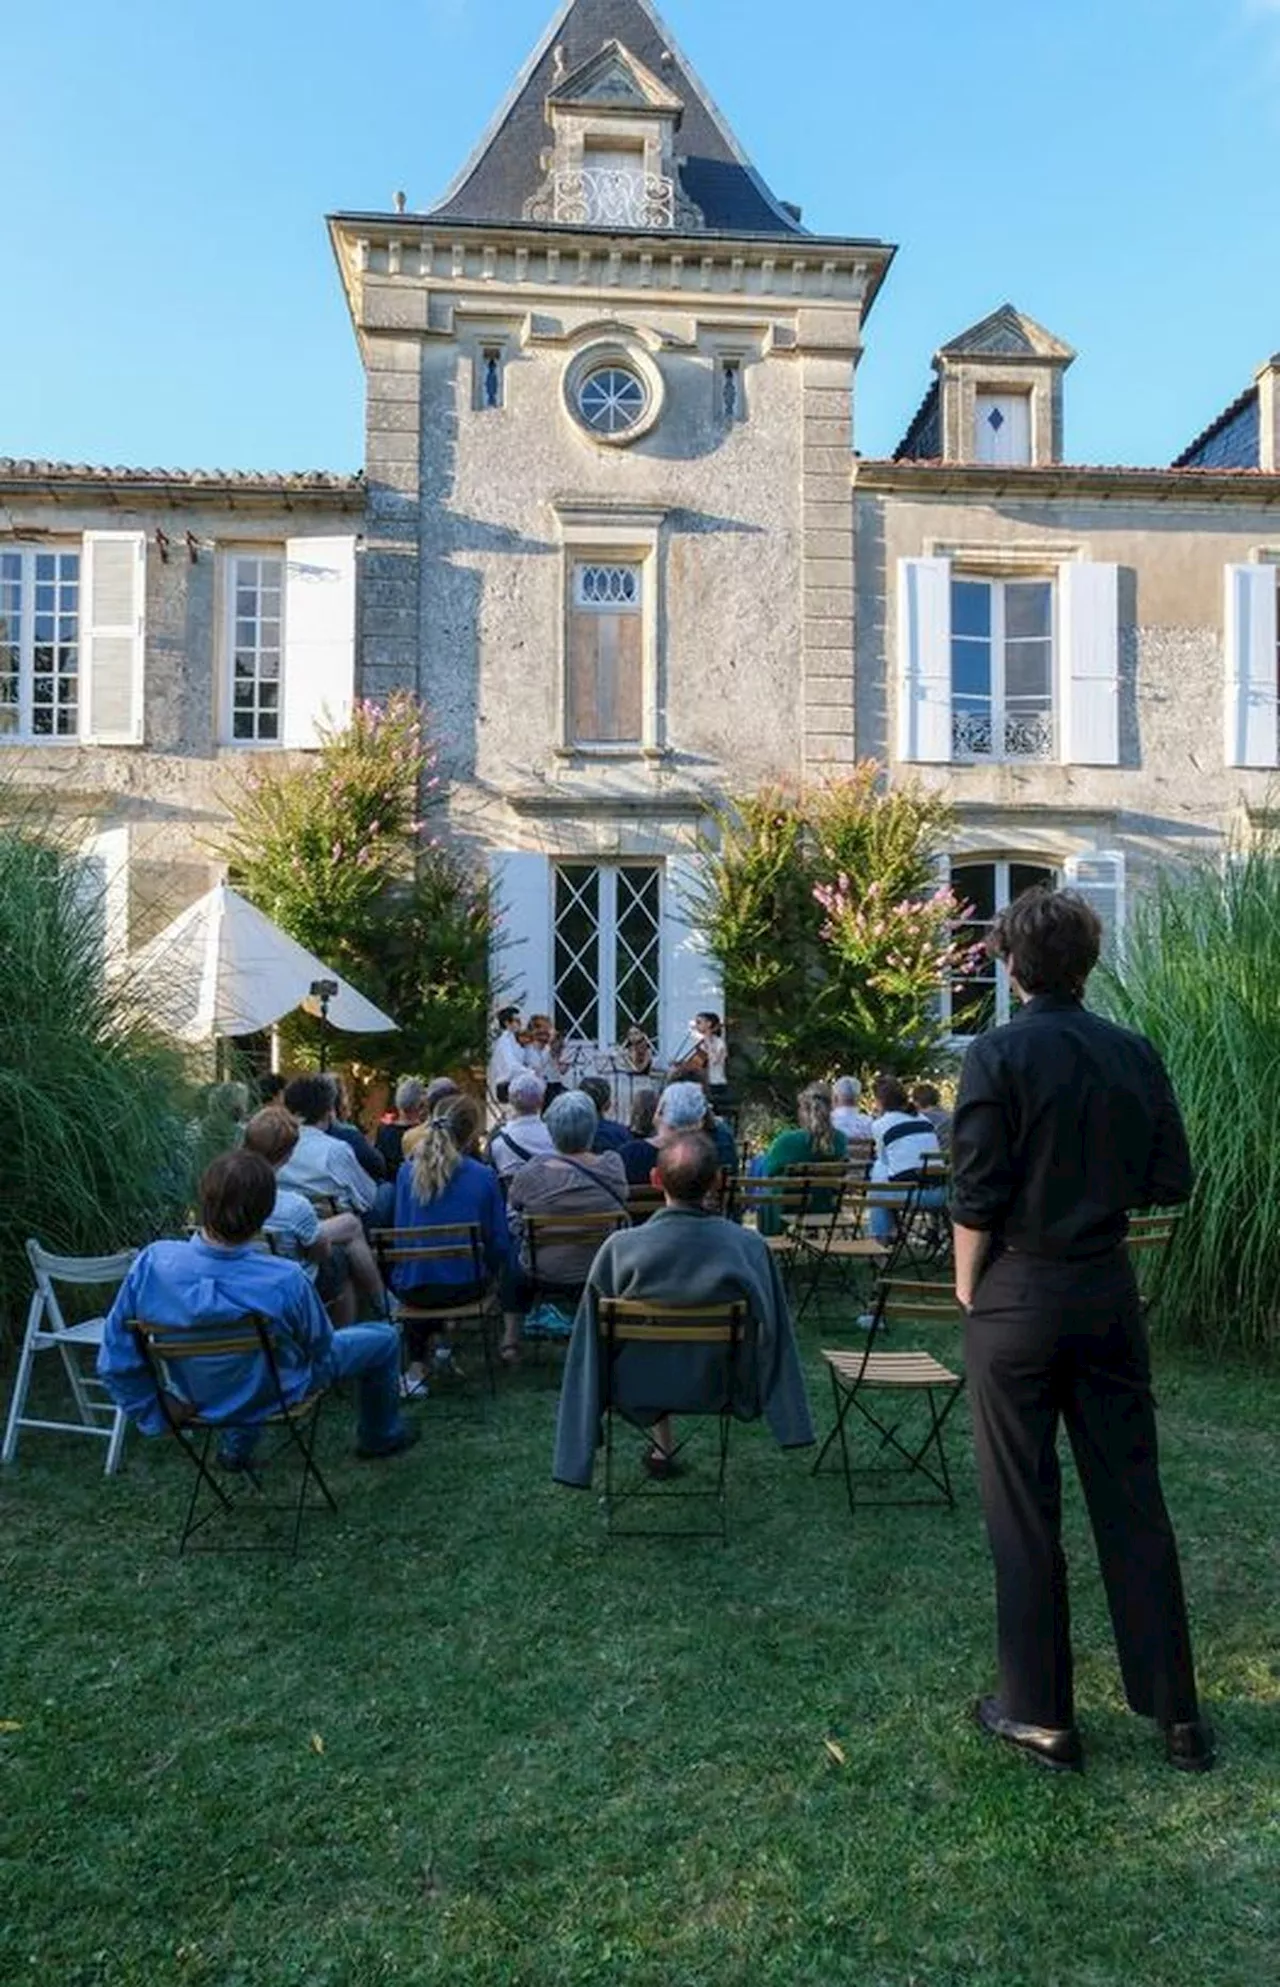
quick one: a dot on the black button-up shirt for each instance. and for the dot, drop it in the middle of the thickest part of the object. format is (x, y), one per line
(1063, 1122)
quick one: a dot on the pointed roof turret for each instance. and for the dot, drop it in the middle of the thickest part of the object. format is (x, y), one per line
(614, 54)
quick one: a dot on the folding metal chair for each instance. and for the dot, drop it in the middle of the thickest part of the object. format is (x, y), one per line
(862, 1381)
(927, 1230)
(460, 1244)
(774, 1205)
(626, 1328)
(848, 1244)
(172, 1353)
(49, 1330)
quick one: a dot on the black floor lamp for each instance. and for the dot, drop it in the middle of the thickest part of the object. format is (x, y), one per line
(324, 991)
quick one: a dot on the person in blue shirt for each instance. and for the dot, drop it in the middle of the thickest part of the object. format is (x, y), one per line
(440, 1185)
(220, 1276)
(610, 1136)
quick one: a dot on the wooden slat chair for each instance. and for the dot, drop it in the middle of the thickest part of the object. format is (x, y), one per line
(577, 1231)
(851, 1249)
(775, 1206)
(457, 1247)
(627, 1326)
(1151, 1236)
(927, 1240)
(864, 1380)
(172, 1354)
(860, 1154)
(644, 1202)
(49, 1329)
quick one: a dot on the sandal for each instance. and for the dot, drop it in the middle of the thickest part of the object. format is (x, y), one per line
(412, 1389)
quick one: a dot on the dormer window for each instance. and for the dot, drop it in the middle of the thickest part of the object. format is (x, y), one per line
(613, 163)
(613, 183)
(1002, 427)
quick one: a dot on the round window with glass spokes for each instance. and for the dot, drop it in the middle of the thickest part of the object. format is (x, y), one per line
(612, 400)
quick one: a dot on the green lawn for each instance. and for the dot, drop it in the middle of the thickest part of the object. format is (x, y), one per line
(461, 1740)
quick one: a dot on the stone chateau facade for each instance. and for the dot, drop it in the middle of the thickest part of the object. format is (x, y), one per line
(614, 528)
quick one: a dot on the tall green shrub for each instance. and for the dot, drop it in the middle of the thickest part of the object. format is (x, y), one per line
(338, 853)
(1200, 976)
(822, 908)
(93, 1105)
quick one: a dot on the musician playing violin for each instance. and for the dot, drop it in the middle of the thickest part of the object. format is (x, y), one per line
(708, 1059)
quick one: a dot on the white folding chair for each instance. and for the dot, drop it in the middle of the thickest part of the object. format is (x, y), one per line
(49, 1331)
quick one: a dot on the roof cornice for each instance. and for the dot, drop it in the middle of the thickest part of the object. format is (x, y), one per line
(317, 489)
(784, 247)
(1194, 486)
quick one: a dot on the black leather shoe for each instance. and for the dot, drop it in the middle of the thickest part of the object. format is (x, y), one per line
(1190, 1746)
(408, 1435)
(1057, 1748)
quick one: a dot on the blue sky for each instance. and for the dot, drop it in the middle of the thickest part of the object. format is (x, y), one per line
(169, 298)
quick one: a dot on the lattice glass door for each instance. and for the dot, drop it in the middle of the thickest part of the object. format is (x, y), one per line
(608, 951)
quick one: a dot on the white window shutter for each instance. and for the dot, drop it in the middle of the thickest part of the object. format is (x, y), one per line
(102, 892)
(521, 966)
(924, 660)
(691, 982)
(1100, 880)
(1251, 666)
(1089, 672)
(113, 650)
(319, 636)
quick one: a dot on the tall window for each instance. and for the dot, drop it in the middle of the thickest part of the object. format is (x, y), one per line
(491, 381)
(605, 654)
(1002, 669)
(983, 999)
(256, 588)
(39, 644)
(608, 950)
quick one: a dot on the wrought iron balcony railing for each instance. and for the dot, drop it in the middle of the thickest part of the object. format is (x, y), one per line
(613, 197)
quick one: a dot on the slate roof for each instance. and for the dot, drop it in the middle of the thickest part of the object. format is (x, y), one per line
(1229, 442)
(506, 170)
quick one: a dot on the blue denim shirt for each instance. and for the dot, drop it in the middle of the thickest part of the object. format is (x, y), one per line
(198, 1283)
(471, 1195)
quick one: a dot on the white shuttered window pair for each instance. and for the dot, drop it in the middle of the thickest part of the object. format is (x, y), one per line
(1252, 682)
(1008, 668)
(290, 641)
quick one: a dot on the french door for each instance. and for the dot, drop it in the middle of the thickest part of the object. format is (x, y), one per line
(984, 999)
(607, 951)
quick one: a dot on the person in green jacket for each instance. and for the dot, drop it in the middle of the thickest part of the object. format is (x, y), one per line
(813, 1141)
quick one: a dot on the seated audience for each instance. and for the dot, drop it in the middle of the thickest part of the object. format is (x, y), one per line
(439, 1090)
(904, 1140)
(440, 1185)
(333, 1252)
(685, 1106)
(574, 1179)
(522, 1136)
(846, 1093)
(218, 1278)
(639, 1155)
(410, 1109)
(270, 1088)
(928, 1102)
(342, 1127)
(682, 1256)
(610, 1135)
(323, 1168)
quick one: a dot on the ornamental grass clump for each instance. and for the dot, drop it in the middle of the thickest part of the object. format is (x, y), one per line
(1200, 976)
(92, 1103)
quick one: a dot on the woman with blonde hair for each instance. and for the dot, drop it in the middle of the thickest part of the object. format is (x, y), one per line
(442, 1185)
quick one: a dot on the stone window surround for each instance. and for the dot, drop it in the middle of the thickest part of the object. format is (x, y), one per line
(615, 348)
(634, 534)
(964, 379)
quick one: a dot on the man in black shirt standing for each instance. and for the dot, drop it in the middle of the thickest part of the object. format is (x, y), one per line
(1063, 1123)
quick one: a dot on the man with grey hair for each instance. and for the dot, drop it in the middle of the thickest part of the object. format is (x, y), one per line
(411, 1108)
(846, 1092)
(523, 1135)
(683, 1107)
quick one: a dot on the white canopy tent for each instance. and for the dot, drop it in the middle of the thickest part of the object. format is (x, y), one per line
(222, 968)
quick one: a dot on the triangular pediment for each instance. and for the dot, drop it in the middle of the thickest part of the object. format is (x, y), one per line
(616, 76)
(1007, 334)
